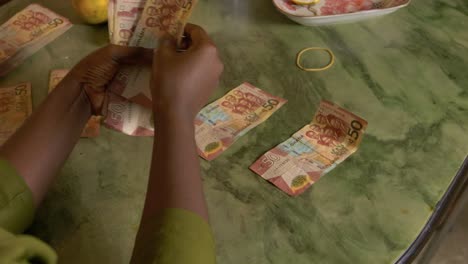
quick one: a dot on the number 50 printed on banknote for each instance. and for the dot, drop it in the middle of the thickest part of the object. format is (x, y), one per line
(317, 148)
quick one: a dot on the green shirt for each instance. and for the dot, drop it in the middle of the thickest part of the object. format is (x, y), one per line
(182, 236)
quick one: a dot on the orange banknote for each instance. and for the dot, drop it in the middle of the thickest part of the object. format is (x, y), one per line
(217, 126)
(296, 164)
(15, 108)
(92, 128)
(27, 32)
(123, 17)
(159, 17)
(128, 117)
(222, 122)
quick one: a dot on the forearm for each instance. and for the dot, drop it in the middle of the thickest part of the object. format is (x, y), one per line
(175, 179)
(39, 148)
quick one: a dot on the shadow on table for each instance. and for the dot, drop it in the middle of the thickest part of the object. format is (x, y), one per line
(445, 214)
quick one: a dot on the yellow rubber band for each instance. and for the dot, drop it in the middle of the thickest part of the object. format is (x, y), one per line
(299, 56)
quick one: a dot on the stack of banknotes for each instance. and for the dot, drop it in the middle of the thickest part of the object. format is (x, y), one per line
(141, 23)
(27, 32)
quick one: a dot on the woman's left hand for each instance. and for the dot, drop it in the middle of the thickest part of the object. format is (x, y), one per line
(95, 72)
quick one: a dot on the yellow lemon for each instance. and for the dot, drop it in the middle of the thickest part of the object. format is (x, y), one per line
(92, 11)
(306, 2)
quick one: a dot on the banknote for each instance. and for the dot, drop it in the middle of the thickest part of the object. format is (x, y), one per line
(159, 18)
(128, 117)
(15, 108)
(56, 76)
(217, 126)
(27, 32)
(111, 19)
(296, 164)
(222, 122)
(124, 20)
(91, 128)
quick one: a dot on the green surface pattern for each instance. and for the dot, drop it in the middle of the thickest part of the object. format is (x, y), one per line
(404, 73)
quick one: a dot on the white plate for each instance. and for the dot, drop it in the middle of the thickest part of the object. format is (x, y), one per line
(337, 11)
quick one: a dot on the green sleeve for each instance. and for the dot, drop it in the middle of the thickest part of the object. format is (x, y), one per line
(16, 214)
(16, 204)
(24, 249)
(181, 237)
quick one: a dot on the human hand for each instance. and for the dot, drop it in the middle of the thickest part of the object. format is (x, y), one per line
(95, 72)
(183, 81)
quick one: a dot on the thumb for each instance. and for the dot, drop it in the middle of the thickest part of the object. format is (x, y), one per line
(167, 46)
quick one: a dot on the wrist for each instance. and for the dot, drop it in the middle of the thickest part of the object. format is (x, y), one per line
(173, 118)
(177, 111)
(74, 96)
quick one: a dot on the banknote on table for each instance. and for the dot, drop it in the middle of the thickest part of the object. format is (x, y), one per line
(296, 164)
(15, 108)
(217, 126)
(91, 128)
(159, 17)
(27, 32)
(222, 122)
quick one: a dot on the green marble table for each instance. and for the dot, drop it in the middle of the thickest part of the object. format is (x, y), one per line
(404, 73)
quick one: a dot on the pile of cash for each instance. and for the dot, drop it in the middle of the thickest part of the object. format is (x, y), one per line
(27, 32)
(20, 37)
(141, 23)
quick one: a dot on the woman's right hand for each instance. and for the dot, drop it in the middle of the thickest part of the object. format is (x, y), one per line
(182, 81)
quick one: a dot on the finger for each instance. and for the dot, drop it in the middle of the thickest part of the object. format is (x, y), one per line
(167, 43)
(184, 43)
(147, 57)
(198, 35)
(97, 99)
(167, 46)
(128, 55)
